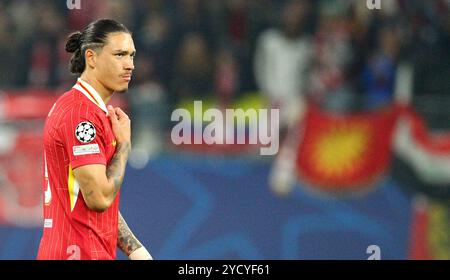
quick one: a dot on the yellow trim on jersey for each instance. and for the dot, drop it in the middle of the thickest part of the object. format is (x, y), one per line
(73, 189)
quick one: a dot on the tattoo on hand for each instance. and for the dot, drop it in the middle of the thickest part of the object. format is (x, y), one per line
(126, 241)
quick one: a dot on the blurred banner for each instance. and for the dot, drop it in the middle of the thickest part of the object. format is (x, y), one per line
(22, 114)
(20, 173)
(429, 230)
(422, 157)
(345, 152)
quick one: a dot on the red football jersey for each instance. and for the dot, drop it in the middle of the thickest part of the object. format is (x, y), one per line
(77, 132)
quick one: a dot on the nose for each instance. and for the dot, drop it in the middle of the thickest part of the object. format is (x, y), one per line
(129, 65)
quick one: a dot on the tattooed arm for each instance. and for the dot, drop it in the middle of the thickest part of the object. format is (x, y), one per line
(100, 184)
(128, 243)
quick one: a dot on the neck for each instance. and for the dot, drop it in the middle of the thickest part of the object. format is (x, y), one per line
(104, 93)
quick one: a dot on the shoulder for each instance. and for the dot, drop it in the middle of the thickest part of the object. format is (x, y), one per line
(81, 115)
(76, 106)
(81, 123)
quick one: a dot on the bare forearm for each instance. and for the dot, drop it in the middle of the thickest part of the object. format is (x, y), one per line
(115, 171)
(126, 240)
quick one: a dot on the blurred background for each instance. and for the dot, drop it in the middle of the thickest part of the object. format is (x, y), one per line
(363, 96)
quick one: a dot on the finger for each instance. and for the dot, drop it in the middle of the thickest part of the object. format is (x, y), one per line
(116, 111)
(120, 113)
(112, 114)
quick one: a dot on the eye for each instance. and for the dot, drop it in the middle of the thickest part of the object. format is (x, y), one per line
(119, 54)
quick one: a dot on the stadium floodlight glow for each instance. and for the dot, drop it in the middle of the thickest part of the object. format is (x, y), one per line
(263, 127)
(73, 4)
(373, 4)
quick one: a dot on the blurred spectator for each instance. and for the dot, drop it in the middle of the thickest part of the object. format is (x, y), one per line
(192, 78)
(191, 17)
(142, 8)
(430, 28)
(332, 55)
(243, 21)
(379, 74)
(8, 47)
(281, 62)
(23, 16)
(44, 44)
(116, 9)
(226, 77)
(191, 43)
(237, 33)
(237, 21)
(155, 38)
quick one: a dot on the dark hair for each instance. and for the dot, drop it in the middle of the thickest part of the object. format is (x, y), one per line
(93, 37)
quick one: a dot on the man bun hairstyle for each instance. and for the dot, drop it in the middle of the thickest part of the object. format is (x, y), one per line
(92, 37)
(73, 45)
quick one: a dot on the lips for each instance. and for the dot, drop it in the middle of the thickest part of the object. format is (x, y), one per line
(126, 77)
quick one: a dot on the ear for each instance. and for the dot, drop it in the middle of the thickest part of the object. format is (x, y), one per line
(91, 58)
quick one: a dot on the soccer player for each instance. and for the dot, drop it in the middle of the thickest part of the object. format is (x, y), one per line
(86, 147)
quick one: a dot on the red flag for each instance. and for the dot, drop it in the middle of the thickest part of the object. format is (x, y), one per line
(341, 152)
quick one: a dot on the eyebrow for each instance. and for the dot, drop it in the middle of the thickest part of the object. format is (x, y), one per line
(124, 52)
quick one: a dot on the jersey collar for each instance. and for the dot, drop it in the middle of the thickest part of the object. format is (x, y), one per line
(90, 93)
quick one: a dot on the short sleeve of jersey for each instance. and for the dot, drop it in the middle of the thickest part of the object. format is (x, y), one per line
(82, 135)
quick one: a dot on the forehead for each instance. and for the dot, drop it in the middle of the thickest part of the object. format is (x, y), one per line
(120, 41)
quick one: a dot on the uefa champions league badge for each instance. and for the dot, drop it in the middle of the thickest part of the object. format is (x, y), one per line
(85, 132)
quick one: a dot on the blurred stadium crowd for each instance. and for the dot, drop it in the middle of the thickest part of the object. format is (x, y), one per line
(221, 50)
